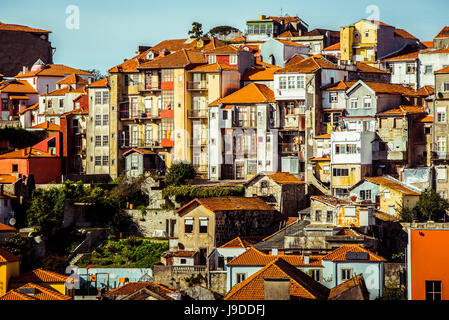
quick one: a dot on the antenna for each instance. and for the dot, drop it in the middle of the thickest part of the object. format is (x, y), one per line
(281, 11)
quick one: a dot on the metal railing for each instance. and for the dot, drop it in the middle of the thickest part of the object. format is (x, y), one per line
(155, 85)
(201, 113)
(197, 85)
(138, 143)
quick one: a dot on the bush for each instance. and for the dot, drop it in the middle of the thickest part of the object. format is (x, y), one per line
(179, 173)
(432, 206)
(186, 193)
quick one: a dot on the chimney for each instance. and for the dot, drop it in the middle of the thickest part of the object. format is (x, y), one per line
(276, 288)
(89, 80)
(306, 258)
(24, 69)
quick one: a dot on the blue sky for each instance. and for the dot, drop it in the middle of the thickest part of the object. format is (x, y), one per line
(110, 31)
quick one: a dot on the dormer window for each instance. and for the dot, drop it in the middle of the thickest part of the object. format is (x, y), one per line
(150, 55)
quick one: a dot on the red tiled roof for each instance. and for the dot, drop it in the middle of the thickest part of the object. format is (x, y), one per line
(177, 59)
(6, 256)
(26, 153)
(404, 57)
(330, 200)
(288, 34)
(363, 67)
(212, 67)
(339, 254)
(32, 107)
(394, 185)
(324, 136)
(297, 58)
(427, 44)
(308, 65)
(100, 83)
(283, 177)
(285, 19)
(339, 86)
(181, 253)
(302, 286)
(389, 88)
(132, 287)
(6, 228)
(403, 110)
(138, 150)
(41, 293)
(8, 178)
(404, 34)
(345, 286)
(260, 73)
(291, 43)
(65, 90)
(47, 125)
(427, 119)
(17, 86)
(14, 295)
(444, 70)
(334, 47)
(237, 243)
(72, 79)
(252, 93)
(40, 276)
(239, 39)
(16, 27)
(54, 70)
(229, 203)
(444, 33)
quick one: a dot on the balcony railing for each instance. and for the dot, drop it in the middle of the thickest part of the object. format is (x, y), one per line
(153, 86)
(138, 114)
(140, 143)
(201, 113)
(289, 147)
(196, 85)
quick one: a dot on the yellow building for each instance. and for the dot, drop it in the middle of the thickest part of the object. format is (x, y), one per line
(9, 267)
(370, 41)
(32, 291)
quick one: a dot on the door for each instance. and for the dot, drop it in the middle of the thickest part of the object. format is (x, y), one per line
(202, 256)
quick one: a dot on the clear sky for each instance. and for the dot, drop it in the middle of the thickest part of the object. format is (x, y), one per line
(110, 31)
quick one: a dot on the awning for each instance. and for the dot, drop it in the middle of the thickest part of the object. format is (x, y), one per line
(18, 98)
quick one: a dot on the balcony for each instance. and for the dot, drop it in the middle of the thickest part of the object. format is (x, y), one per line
(289, 147)
(137, 114)
(197, 85)
(440, 155)
(243, 124)
(201, 113)
(153, 86)
(199, 142)
(140, 143)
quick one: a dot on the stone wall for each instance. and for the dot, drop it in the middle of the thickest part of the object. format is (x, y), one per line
(217, 282)
(174, 280)
(395, 275)
(153, 224)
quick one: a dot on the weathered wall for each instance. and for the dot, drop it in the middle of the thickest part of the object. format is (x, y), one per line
(395, 274)
(154, 223)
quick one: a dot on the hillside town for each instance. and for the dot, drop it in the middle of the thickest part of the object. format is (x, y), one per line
(272, 163)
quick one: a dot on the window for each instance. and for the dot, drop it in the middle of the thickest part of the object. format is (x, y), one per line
(345, 149)
(441, 173)
(61, 103)
(441, 114)
(212, 59)
(290, 108)
(433, 290)
(134, 162)
(98, 120)
(366, 33)
(167, 99)
(167, 75)
(135, 79)
(441, 144)
(188, 225)
(317, 215)
(203, 225)
(105, 119)
(410, 68)
(5, 104)
(346, 274)
(333, 97)
(367, 102)
(98, 160)
(98, 97)
(105, 160)
(316, 47)
(300, 82)
(105, 140)
(340, 172)
(98, 141)
(126, 81)
(291, 82)
(387, 194)
(167, 128)
(233, 59)
(283, 82)
(316, 274)
(446, 87)
(105, 97)
(365, 194)
(329, 216)
(15, 167)
(225, 115)
(354, 104)
(240, 277)
(183, 261)
(428, 69)
(350, 211)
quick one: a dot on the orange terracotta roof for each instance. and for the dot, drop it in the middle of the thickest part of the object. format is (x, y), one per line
(16, 27)
(26, 153)
(17, 86)
(285, 19)
(130, 65)
(42, 293)
(260, 73)
(363, 67)
(224, 49)
(32, 107)
(339, 86)
(54, 70)
(100, 83)
(291, 43)
(6, 228)
(212, 67)
(389, 88)
(330, 200)
(378, 22)
(434, 51)
(8, 178)
(345, 286)
(427, 119)
(132, 287)
(323, 159)
(211, 43)
(47, 125)
(181, 253)
(444, 70)
(177, 59)
(72, 79)
(138, 150)
(239, 39)
(394, 185)
(427, 44)
(424, 91)
(339, 254)
(283, 177)
(229, 203)
(385, 216)
(252, 93)
(288, 34)
(334, 47)
(404, 57)
(174, 45)
(237, 243)
(40, 276)
(308, 65)
(6, 256)
(403, 110)
(444, 33)
(302, 286)
(291, 220)
(323, 136)
(297, 58)
(404, 34)
(65, 90)
(14, 295)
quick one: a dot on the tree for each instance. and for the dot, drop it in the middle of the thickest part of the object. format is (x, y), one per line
(405, 214)
(197, 30)
(222, 30)
(97, 74)
(179, 173)
(432, 206)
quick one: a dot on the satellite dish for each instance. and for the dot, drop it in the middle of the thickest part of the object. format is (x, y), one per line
(12, 221)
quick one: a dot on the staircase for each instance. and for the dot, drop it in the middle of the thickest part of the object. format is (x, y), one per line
(318, 184)
(76, 258)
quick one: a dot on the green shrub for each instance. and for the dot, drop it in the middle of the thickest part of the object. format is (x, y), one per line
(179, 173)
